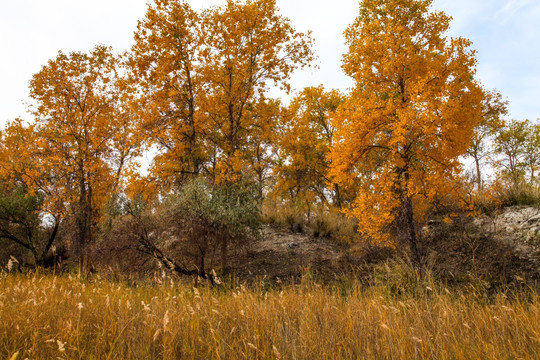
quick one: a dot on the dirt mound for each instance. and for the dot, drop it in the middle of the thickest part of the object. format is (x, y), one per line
(499, 248)
(282, 254)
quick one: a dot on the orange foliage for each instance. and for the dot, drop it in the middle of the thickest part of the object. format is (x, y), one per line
(166, 83)
(197, 92)
(84, 134)
(305, 139)
(203, 78)
(409, 117)
(18, 162)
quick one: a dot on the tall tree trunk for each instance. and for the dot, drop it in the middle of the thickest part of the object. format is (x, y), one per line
(337, 196)
(47, 247)
(81, 220)
(34, 252)
(202, 272)
(84, 222)
(478, 173)
(191, 118)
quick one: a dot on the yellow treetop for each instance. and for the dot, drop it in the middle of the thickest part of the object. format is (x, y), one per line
(409, 117)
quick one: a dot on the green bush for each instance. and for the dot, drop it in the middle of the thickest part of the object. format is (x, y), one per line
(186, 229)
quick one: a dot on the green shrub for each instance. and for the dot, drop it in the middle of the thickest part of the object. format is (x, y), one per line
(186, 229)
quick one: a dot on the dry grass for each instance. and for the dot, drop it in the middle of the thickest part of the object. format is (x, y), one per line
(323, 221)
(500, 195)
(50, 317)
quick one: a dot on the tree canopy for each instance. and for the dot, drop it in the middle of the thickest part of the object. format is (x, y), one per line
(409, 117)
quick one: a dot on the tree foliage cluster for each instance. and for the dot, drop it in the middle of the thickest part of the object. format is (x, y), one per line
(195, 89)
(189, 228)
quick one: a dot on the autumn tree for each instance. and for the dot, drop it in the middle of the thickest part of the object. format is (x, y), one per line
(251, 47)
(532, 152)
(18, 162)
(305, 139)
(165, 66)
(261, 145)
(203, 78)
(482, 145)
(409, 117)
(26, 219)
(517, 145)
(83, 134)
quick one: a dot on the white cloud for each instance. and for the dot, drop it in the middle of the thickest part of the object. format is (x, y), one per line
(505, 33)
(511, 8)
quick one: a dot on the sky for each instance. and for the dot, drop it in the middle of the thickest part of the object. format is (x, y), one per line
(505, 34)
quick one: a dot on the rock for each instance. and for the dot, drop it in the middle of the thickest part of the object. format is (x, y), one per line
(533, 220)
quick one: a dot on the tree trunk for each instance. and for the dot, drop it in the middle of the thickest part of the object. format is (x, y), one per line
(84, 221)
(478, 173)
(202, 272)
(224, 256)
(47, 247)
(193, 133)
(407, 212)
(411, 232)
(81, 227)
(337, 196)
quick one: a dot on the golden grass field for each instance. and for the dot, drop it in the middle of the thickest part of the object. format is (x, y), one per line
(61, 317)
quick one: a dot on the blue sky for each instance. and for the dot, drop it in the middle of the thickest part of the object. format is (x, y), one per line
(505, 33)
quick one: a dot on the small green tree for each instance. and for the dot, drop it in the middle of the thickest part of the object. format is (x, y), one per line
(21, 223)
(208, 216)
(192, 223)
(532, 152)
(494, 107)
(511, 145)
